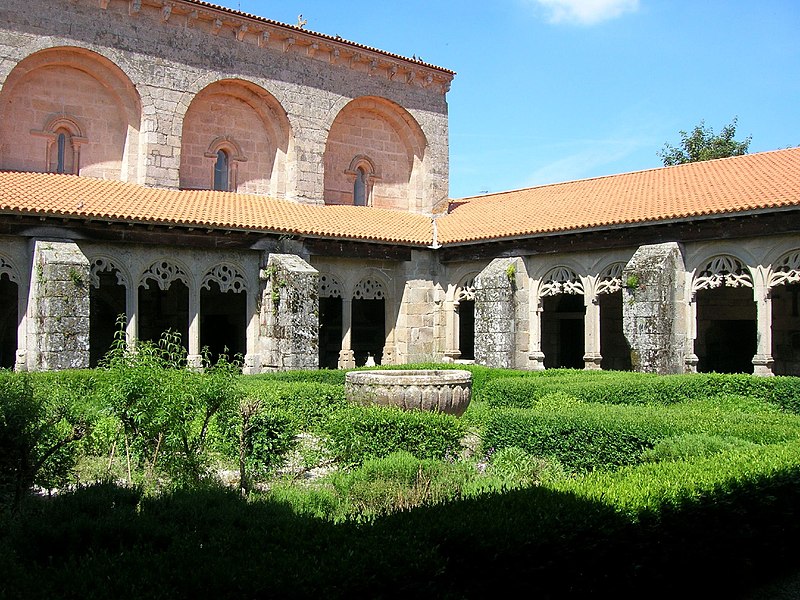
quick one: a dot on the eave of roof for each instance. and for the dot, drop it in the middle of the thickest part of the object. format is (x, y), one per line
(71, 196)
(326, 37)
(750, 183)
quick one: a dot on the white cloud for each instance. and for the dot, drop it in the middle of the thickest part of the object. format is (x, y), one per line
(585, 12)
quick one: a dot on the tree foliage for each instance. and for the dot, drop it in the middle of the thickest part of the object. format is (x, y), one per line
(703, 144)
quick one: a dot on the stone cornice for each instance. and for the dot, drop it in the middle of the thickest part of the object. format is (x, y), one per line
(265, 33)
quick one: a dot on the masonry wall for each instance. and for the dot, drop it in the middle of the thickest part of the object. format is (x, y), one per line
(196, 47)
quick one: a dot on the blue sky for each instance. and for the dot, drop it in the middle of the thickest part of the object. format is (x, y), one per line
(555, 90)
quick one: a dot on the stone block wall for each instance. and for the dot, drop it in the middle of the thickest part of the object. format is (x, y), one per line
(289, 314)
(58, 318)
(497, 314)
(654, 308)
(311, 79)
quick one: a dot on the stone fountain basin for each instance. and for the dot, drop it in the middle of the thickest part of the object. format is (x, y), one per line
(444, 390)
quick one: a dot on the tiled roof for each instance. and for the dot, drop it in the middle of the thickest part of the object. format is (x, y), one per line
(752, 182)
(48, 194)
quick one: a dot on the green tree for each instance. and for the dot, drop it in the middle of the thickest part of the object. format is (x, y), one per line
(703, 144)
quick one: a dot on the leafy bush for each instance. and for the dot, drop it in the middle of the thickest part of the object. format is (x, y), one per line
(357, 433)
(399, 481)
(515, 467)
(40, 427)
(309, 403)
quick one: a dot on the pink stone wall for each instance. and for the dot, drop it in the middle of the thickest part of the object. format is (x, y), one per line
(361, 132)
(48, 91)
(213, 115)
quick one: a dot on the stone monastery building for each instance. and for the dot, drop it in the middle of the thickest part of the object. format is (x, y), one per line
(284, 193)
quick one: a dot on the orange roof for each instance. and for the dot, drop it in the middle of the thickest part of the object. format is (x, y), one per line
(752, 182)
(48, 194)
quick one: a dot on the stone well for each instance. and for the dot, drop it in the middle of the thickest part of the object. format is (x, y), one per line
(446, 390)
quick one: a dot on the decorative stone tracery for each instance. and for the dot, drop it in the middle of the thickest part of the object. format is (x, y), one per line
(163, 273)
(561, 280)
(329, 287)
(7, 269)
(787, 271)
(369, 288)
(227, 276)
(100, 265)
(465, 291)
(722, 271)
(610, 279)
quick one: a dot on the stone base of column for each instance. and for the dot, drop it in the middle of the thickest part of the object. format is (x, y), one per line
(252, 364)
(451, 356)
(762, 365)
(387, 358)
(21, 361)
(536, 361)
(347, 360)
(691, 363)
(195, 362)
(592, 360)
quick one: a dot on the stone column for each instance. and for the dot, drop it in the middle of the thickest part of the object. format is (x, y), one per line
(591, 328)
(763, 360)
(58, 307)
(536, 356)
(194, 359)
(653, 308)
(132, 314)
(451, 325)
(692, 359)
(347, 360)
(252, 360)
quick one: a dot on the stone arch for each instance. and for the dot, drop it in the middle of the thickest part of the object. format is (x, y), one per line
(389, 135)
(561, 292)
(82, 90)
(614, 349)
(464, 316)
(163, 297)
(108, 299)
(725, 315)
(331, 302)
(223, 311)
(246, 119)
(9, 312)
(368, 321)
(722, 270)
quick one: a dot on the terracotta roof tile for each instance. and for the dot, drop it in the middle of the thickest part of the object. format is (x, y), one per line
(770, 180)
(746, 183)
(84, 197)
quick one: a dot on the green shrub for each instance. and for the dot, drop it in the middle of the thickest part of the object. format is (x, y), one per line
(309, 403)
(357, 433)
(41, 422)
(689, 446)
(515, 467)
(399, 481)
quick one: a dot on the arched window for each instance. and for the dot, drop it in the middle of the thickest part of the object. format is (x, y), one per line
(360, 188)
(226, 154)
(221, 178)
(64, 137)
(364, 175)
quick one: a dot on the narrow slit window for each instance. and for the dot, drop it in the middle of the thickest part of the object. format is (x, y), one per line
(221, 171)
(61, 143)
(360, 188)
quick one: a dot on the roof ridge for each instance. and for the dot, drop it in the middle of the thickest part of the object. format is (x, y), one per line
(696, 164)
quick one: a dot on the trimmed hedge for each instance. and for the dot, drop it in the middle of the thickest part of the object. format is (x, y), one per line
(638, 388)
(309, 403)
(587, 437)
(359, 433)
